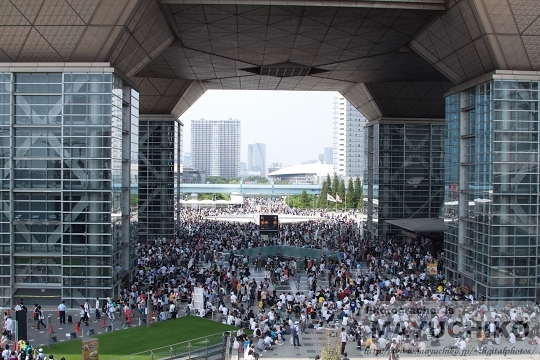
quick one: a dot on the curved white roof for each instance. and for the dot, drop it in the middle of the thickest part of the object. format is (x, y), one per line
(318, 169)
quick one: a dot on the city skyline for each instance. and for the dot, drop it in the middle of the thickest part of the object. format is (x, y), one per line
(281, 127)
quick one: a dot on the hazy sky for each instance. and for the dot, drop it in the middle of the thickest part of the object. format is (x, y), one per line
(296, 126)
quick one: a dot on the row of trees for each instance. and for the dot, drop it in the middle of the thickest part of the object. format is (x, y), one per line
(351, 196)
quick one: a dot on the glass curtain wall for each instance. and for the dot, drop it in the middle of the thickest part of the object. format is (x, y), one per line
(408, 168)
(61, 156)
(159, 155)
(491, 203)
(5, 189)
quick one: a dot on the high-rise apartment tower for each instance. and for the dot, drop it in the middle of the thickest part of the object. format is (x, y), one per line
(215, 147)
(349, 139)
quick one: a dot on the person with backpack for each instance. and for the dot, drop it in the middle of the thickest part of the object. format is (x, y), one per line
(29, 350)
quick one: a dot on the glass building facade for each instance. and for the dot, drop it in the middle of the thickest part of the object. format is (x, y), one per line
(406, 162)
(160, 144)
(491, 196)
(65, 148)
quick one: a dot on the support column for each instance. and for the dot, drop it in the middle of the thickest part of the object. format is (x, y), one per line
(406, 167)
(158, 156)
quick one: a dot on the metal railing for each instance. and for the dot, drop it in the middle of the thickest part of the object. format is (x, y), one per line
(212, 346)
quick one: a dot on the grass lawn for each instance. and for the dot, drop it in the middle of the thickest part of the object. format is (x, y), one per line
(141, 339)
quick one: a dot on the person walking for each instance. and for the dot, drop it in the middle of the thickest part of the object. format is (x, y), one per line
(294, 331)
(98, 314)
(297, 278)
(62, 312)
(41, 317)
(86, 312)
(10, 327)
(343, 340)
(82, 314)
(35, 316)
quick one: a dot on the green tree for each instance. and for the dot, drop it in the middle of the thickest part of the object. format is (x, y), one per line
(304, 200)
(258, 179)
(341, 193)
(358, 193)
(350, 203)
(216, 180)
(329, 183)
(321, 204)
(214, 196)
(291, 200)
(335, 186)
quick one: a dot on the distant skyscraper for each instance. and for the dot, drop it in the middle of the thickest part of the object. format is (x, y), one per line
(187, 160)
(243, 169)
(215, 147)
(328, 155)
(348, 153)
(257, 158)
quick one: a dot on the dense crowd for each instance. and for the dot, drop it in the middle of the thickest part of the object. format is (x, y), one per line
(374, 293)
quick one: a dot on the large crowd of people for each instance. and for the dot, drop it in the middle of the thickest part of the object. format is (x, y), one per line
(376, 294)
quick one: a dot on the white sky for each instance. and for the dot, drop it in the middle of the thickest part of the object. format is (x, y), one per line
(296, 126)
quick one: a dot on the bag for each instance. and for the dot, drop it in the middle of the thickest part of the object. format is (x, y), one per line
(292, 341)
(261, 304)
(70, 319)
(236, 345)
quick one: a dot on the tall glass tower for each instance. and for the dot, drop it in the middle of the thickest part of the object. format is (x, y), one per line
(67, 140)
(492, 189)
